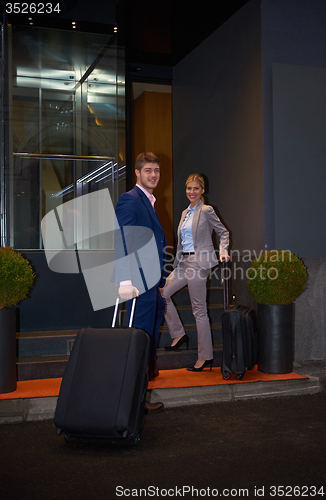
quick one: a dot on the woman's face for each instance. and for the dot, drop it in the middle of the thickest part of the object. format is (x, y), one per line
(194, 192)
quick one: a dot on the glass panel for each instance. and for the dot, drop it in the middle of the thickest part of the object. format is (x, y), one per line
(67, 126)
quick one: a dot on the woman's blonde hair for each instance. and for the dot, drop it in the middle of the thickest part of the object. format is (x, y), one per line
(197, 178)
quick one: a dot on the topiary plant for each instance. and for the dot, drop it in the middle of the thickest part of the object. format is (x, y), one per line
(16, 277)
(277, 277)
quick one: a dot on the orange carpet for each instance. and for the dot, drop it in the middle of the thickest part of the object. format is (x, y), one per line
(167, 379)
(183, 378)
(35, 389)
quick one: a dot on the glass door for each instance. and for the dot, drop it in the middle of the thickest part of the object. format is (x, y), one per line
(64, 121)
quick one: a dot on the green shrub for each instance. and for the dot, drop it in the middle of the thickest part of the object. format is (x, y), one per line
(277, 277)
(16, 277)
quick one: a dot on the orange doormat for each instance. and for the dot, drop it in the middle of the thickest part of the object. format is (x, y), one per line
(184, 378)
(41, 388)
(167, 379)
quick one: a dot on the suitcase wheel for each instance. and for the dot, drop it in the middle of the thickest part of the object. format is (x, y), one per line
(66, 437)
(226, 375)
(137, 440)
(240, 376)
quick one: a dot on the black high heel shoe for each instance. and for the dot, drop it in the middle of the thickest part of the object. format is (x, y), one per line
(184, 340)
(200, 369)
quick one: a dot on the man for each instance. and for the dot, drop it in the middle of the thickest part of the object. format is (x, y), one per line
(135, 209)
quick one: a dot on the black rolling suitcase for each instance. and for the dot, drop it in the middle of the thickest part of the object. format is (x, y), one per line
(240, 337)
(103, 389)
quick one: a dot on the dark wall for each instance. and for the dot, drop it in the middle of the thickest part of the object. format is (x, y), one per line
(249, 113)
(294, 55)
(217, 125)
(299, 130)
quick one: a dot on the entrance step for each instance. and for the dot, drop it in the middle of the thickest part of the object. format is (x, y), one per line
(45, 354)
(45, 343)
(53, 366)
(40, 367)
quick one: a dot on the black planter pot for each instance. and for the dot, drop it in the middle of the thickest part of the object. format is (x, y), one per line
(276, 338)
(8, 370)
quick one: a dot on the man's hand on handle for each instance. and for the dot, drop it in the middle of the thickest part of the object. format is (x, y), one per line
(128, 292)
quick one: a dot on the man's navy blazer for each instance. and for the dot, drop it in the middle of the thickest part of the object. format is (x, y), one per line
(135, 216)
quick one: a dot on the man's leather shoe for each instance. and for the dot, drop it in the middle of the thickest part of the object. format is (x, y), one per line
(153, 407)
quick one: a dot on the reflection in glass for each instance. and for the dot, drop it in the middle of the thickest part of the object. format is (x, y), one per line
(67, 122)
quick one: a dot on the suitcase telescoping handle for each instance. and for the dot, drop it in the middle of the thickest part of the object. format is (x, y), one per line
(225, 281)
(131, 314)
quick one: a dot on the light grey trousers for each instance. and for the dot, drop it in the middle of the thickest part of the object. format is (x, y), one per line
(189, 273)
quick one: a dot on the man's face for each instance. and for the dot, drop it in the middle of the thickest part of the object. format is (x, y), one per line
(148, 176)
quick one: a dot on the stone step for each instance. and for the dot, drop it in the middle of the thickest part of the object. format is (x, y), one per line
(165, 338)
(45, 354)
(54, 343)
(183, 358)
(41, 367)
(48, 343)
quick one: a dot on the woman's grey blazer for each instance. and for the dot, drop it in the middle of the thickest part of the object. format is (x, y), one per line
(204, 222)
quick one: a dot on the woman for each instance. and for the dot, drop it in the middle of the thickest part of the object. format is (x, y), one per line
(194, 258)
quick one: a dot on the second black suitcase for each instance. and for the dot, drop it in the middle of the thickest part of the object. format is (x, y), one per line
(240, 341)
(103, 389)
(240, 335)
